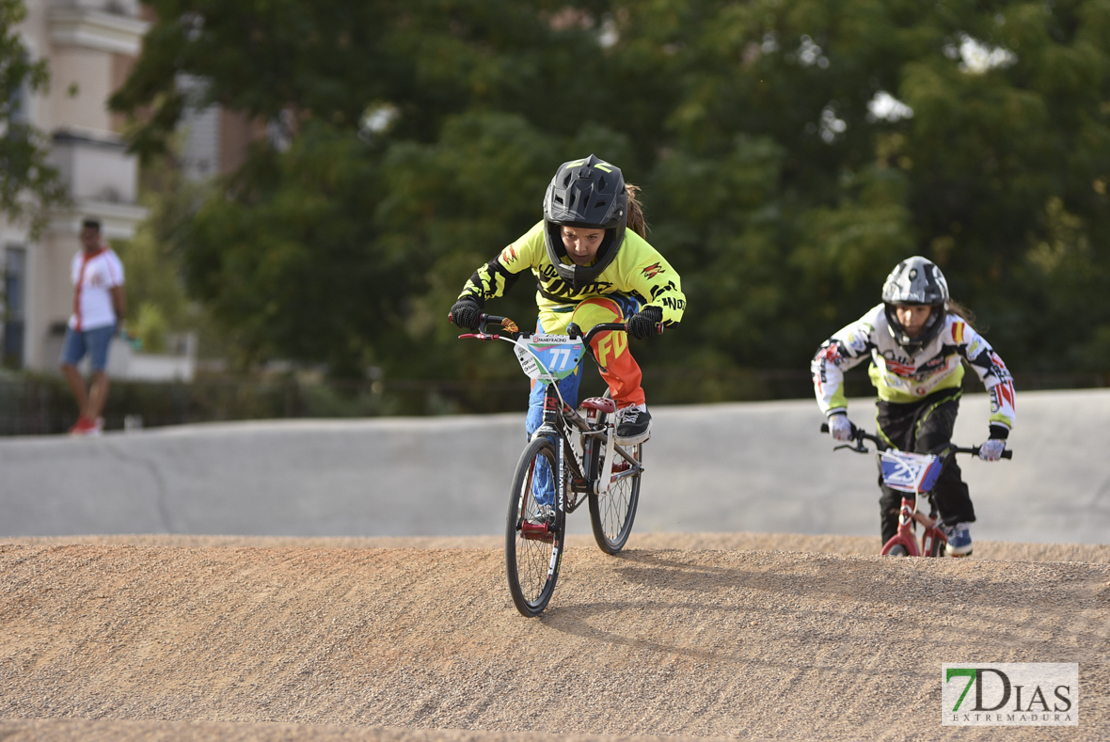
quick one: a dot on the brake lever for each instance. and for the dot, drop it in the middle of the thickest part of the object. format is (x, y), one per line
(858, 447)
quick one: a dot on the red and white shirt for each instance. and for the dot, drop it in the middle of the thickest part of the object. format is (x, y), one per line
(94, 275)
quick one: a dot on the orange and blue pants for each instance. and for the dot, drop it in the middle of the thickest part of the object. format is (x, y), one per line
(615, 362)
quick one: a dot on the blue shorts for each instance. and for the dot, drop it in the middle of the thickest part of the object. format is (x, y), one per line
(95, 342)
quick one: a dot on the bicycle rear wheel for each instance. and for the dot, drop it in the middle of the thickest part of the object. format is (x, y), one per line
(534, 544)
(611, 514)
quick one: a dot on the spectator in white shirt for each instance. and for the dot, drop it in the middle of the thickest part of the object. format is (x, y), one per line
(98, 310)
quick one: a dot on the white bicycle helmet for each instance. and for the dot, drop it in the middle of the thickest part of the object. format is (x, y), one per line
(916, 280)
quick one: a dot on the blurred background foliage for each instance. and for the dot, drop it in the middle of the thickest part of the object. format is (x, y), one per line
(790, 152)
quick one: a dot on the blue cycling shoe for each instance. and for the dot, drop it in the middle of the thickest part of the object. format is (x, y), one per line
(959, 540)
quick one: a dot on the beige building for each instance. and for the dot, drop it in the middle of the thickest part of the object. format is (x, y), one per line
(90, 46)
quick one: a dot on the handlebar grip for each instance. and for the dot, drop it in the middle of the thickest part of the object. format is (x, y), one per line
(974, 451)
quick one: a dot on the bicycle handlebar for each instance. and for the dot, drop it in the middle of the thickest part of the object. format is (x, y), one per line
(573, 330)
(859, 435)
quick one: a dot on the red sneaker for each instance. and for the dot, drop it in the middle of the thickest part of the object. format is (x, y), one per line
(84, 426)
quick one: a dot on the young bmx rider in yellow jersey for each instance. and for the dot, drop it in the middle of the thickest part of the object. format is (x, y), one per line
(592, 265)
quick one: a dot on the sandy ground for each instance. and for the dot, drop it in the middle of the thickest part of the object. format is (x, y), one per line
(741, 636)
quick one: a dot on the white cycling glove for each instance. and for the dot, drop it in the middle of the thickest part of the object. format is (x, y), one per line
(840, 427)
(992, 449)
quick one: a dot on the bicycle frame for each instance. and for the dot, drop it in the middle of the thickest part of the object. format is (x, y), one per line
(933, 539)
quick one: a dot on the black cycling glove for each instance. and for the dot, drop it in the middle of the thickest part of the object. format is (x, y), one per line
(466, 313)
(642, 324)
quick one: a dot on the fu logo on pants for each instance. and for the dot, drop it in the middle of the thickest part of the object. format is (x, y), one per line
(1010, 694)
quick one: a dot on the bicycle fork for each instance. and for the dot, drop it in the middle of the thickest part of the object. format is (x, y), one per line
(549, 487)
(932, 537)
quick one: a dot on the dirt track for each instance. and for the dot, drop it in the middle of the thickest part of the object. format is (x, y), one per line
(695, 636)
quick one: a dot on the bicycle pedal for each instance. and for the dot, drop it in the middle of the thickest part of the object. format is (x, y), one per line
(601, 404)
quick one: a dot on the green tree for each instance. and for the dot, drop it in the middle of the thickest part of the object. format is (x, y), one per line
(319, 248)
(791, 152)
(28, 185)
(156, 296)
(973, 133)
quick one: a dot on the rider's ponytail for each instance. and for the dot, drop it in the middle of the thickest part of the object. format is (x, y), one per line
(636, 220)
(958, 309)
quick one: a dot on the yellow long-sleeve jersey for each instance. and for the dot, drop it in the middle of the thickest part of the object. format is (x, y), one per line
(637, 270)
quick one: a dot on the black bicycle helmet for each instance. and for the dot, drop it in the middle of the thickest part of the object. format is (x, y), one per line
(919, 281)
(587, 193)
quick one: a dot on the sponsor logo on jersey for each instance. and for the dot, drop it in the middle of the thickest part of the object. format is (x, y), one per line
(857, 343)
(556, 286)
(906, 368)
(1005, 387)
(830, 354)
(657, 290)
(958, 332)
(899, 367)
(508, 255)
(654, 270)
(676, 304)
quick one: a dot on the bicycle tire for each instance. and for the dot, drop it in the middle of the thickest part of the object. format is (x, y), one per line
(532, 560)
(898, 551)
(612, 514)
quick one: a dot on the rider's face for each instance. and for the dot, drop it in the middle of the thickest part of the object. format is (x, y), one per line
(912, 317)
(582, 243)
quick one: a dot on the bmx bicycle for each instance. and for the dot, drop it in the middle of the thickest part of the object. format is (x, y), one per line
(914, 474)
(570, 459)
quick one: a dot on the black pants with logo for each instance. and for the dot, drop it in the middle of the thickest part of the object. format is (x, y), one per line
(924, 427)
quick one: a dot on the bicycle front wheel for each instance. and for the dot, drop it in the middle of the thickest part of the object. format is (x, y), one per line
(612, 514)
(534, 534)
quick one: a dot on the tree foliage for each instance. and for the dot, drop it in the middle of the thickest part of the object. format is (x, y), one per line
(28, 184)
(791, 152)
